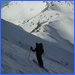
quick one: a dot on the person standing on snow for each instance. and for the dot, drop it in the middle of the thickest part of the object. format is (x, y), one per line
(39, 51)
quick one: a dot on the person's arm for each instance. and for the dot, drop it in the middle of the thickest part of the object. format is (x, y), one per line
(32, 49)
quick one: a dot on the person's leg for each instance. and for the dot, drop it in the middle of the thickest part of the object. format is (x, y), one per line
(39, 59)
(37, 56)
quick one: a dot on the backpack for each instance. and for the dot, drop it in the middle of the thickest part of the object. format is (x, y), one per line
(39, 49)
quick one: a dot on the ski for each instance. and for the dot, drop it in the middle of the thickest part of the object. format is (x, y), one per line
(39, 66)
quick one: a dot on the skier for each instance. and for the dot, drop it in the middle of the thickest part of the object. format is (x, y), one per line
(39, 51)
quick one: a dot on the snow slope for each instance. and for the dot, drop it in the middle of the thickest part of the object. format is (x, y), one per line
(59, 15)
(52, 25)
(22, 11)
(55, 57)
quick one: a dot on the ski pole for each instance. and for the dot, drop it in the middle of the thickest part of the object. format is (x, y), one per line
(29, 54)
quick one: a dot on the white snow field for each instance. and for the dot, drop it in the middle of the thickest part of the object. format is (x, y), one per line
(25, 23)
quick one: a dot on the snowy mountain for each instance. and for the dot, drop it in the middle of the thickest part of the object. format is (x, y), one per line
(23, 11)
(25, 23)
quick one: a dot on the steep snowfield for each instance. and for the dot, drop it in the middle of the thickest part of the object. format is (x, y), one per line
(55, 56)
(59, 15)
(22, 11)
(15, 60)
(51, 24)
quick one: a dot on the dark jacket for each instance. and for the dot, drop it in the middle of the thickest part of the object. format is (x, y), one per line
(39, 49)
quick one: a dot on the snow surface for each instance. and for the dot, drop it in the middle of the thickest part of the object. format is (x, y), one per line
(22, 11)
(25, 23)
